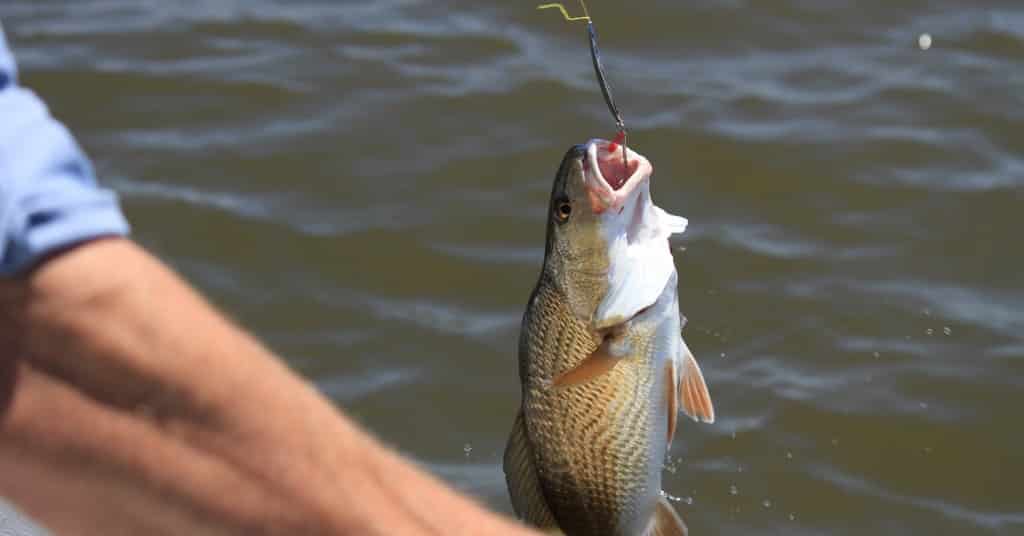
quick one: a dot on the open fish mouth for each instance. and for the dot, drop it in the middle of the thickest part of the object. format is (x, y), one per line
(634, 230)
(609, 180)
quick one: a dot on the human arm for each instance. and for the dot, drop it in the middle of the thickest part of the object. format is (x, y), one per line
(136, 408)
(128, 405)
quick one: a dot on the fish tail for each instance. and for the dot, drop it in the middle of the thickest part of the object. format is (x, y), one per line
(666, 522)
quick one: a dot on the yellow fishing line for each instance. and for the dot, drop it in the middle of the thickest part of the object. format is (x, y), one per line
(560, 7)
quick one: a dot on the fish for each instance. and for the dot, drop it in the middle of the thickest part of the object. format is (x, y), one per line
(603, 366)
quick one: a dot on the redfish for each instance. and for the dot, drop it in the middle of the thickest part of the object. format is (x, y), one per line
(602, 362)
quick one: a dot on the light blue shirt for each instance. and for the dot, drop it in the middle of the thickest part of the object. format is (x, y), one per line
(49, 199)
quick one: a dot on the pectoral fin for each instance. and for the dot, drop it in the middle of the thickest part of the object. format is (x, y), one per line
(693, 392)
(600, 362)
(666, 521)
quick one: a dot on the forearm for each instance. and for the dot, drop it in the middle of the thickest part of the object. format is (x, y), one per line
(136, 392)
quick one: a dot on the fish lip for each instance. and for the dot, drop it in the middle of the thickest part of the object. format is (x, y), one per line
(602, 196)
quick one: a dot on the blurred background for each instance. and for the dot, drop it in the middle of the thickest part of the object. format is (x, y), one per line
(364, 185)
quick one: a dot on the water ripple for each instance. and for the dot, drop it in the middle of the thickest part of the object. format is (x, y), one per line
(856, 485)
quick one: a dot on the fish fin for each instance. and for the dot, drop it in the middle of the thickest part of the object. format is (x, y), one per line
(523, 485)
(671, 401)
(666, 521)
(594, 365)
(693, 392)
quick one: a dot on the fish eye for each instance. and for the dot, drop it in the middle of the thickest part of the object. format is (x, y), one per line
(564, 209)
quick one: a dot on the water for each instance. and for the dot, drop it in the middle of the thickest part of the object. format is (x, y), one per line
(364, 186)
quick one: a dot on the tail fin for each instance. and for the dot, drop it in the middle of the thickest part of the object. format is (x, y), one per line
(666, 521)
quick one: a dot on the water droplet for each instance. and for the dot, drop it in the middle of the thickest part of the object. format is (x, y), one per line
(929, 332)
(739, 469)
(669, 496)
(723, 354)
(924, 405)
(734, 434)
(467, 448)
(792, 517)
(924, 41)
(926, 311)
(766, 503)
(733, 490)
(688, 500)
(789, 455)
(877, 355)
(947, 331)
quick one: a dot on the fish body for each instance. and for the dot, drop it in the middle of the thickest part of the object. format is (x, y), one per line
(602, 362)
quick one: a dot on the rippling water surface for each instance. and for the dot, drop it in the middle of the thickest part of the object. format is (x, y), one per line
(364, 186)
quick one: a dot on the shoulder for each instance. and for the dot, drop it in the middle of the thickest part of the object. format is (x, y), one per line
(49, 199)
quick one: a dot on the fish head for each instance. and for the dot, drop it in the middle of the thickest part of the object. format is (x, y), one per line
(607, 243)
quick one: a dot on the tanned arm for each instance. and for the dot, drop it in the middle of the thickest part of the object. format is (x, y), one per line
(129, 406)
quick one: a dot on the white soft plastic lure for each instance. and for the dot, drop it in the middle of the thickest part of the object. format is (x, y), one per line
(634, 228)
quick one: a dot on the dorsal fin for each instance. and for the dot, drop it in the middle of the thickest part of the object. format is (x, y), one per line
(521, 476)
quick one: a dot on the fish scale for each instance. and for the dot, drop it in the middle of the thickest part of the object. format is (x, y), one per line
(592, 430)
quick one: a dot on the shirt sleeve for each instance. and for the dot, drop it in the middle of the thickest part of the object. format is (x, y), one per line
(49, 199)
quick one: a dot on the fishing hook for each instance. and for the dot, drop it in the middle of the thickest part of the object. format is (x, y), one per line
(595, 56)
